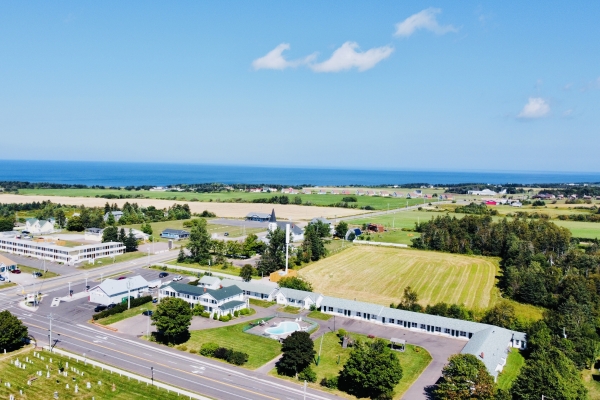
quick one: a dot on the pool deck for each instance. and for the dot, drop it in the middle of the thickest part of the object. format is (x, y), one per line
(260, 330)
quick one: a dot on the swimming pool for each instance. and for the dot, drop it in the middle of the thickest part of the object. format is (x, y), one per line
(283, 328)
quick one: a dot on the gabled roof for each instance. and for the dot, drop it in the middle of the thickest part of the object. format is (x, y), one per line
(273, 218)
(217, 294)
(175, 232)
(250, 286)
(324, 220)
(209, 280)
(294, 229)
(114, 287)
(366, 308)
(492, 344)
(231, 304)
(298, 294)
(258, 215)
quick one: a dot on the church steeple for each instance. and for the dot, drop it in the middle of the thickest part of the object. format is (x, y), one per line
(273, 218)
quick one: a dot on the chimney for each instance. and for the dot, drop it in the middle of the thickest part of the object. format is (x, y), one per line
(481, 355)
(205, 292)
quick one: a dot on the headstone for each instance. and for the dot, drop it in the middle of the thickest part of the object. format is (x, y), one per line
(56, 395)
(76, 389)
(47, 374)
(99, 383)
(88, 385)
(67, 364)
(66, 387)
(28, 383)
(11, 397)
(21, 392)
(113, 387)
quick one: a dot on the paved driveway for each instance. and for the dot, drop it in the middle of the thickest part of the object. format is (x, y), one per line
(439, 347)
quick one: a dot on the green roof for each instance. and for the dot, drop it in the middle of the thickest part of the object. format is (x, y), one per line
(231, 304)
(218, 294)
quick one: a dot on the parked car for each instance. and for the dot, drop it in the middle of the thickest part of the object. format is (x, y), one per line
(121, 278)
(163, 274)
(111, 305)
(226, 234)
(177, 278)
(100, 307)
(37, 274)
(16, 271)
(2, 279)
(155, 300)
(147, 313)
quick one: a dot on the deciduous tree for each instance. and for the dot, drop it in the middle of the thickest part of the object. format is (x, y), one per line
(464, 378)
(298, 353)
(13, 331)
(172, 319)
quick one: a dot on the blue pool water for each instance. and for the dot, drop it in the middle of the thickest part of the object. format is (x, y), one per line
(283, 328)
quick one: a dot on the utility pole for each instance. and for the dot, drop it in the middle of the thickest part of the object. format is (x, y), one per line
(50, 318)
(320, 348)
(128, 293)
(70, 289)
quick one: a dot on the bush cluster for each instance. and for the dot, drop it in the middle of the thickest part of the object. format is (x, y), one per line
(119, 308)
(330, 383)
(229, 355)
(307, 374)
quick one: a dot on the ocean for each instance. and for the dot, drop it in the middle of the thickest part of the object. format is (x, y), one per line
(159, 174)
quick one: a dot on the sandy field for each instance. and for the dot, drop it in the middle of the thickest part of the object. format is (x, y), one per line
(229, 210)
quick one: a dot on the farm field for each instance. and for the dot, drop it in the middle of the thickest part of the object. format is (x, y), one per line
(377, 202)
(379, 275)
(414, 360)
(407, 219)
(230, 210)
(43, 388)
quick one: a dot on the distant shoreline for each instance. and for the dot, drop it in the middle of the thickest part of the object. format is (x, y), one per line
(122, 174)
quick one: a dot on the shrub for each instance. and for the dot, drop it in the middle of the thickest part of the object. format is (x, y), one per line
(208, 349)
(215, 316)
(236, 313)
(222, 353)
(198, 310)
(119, 308)
(307, 374)
(193, 351)
(225, 318)
(182, 347)
(237, 358)
(244, 311)
(331, 383)
(205, 314)
(341, 333)
(313, 307)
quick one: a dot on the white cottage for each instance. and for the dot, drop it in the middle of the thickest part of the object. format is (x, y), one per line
(298, 298)
(223, 301)
(114, 291)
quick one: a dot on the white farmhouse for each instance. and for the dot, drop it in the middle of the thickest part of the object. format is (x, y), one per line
(113, 291)
(220, 302)
(39, 226)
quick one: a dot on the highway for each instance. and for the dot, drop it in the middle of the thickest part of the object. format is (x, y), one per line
(72, 332)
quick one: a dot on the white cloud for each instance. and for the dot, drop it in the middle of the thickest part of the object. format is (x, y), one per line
(536, 107)
(275, 60)
(346, 57)
(425, 19)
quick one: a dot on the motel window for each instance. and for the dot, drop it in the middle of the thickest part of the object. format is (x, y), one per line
(330, 309)
(391, 320)
(446, 330)
(423, 326)
(438, 329)
(399, 322)
(517, 342)
(463, 333)
(523, 344)
(358, 314)
(414, 324)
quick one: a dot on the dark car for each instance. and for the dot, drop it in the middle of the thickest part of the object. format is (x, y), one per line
(163, 274)
(147, 313)
(100, 307)
(155, 300)
(2, 279)
(37, 274)
(16, 271)
(111, 305)
(226, 234)
(121, 278)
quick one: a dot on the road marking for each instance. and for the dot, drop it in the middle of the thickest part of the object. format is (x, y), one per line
(55, 302)
(166, 366)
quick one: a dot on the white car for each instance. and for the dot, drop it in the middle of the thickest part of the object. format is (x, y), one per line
(177, 278)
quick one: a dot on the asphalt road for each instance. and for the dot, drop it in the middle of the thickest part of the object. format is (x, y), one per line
(188, 371)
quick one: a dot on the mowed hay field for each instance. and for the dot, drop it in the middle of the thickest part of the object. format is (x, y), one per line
(380, 274)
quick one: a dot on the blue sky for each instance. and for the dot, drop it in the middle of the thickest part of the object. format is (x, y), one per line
(391, 85)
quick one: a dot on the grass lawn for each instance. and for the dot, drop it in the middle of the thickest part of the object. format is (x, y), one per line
(289, 310)
(230, 270)
(591, 380)
(380, 274)
(29, 270)
(114, 276)
(511, 370)
(262, 303)
(43, 388)
(588, 230)
(394, 236)
(260, 349)
(134, 255)
(319, 315)
(132, 312)
(6, 285)
(413, 362)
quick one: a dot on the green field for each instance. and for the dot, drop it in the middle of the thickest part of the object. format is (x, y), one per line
(134, 255)
(259, 349)
(511, 370)
(379, 203)
(380, 274)
(407, 219)
(43, 388)
(414, 361)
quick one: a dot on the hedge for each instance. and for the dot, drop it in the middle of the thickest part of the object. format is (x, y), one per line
(119, 308)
